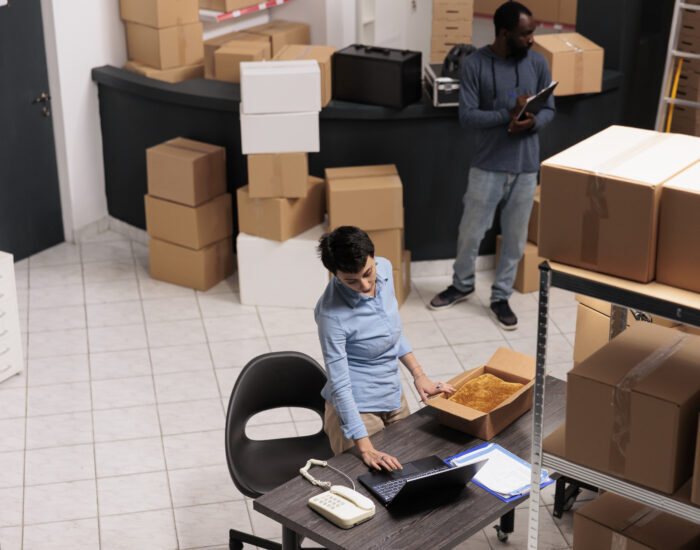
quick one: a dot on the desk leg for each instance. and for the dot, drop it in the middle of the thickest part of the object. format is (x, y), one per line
(290, 539)
(506, 526)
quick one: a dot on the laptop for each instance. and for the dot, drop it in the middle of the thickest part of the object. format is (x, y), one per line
(418, 477)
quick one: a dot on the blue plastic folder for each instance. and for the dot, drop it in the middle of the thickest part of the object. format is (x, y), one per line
(504, 457)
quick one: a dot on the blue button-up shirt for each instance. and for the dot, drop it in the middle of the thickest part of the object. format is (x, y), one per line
(361, 340)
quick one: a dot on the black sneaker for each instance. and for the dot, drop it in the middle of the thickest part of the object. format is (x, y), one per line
(504, 316)
(449, 297)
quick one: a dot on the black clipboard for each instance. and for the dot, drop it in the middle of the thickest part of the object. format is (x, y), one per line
(536, 102)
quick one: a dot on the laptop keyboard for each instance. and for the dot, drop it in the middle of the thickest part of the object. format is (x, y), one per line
(389, 489)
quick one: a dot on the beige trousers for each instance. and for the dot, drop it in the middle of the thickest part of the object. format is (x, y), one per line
(373, 422)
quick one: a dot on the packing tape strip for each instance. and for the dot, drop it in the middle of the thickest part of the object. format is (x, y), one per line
(621, 401)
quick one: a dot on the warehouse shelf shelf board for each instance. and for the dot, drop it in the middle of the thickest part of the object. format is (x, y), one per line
(211, 16)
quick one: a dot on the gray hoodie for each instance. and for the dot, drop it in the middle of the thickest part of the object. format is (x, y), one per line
(489, 87)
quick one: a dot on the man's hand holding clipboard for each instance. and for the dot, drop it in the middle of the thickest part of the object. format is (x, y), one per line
(526, 106)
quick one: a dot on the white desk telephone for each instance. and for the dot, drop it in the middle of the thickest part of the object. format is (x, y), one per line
(341, 505)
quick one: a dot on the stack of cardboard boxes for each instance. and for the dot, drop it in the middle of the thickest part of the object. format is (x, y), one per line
(189, 214)
(452, 25)
(371, 198)
(686, 120)
(281, 210)
(224, 5)
(163, 39)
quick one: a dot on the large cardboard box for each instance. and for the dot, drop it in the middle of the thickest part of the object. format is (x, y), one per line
(574, 61)
(278, 175)
(600, 199)
(178, 74)
(678, 249)
(631, 407)
(190, 226)
(280, 87)
(280, 133)
(281, 219)
(452, 29)
(213, 44)
(613, 522)
(228, 58)
(527, 277)
(322, 54)
(361, 171)
(389, 244)
(605, 308)
(453, 10)
(165, 48)
(508, 365)
(533, 227)
(283, 32)
(186, 171)
(695, 488)
(402, 278)
(224, 5)
(199, 269)
(371, 203)
(160, 13)
(551, 11)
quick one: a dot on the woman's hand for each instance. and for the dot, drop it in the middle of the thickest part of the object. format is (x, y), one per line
(427, 388)
(374, 458)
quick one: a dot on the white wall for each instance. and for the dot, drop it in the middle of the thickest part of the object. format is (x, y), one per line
(312, 12)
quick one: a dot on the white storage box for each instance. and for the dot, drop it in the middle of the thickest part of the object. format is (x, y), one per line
(280, 133)
(289, 273)
(280, 87)
(11, 360)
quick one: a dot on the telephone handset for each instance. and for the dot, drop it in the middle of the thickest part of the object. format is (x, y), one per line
(341, 505)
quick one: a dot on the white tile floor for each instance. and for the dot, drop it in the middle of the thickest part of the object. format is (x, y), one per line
(113, 436)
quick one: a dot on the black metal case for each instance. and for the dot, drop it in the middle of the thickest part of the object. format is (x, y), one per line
(443, 90)
(380, 76)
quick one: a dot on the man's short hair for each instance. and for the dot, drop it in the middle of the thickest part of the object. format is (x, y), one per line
(345, 249)
(507, 16)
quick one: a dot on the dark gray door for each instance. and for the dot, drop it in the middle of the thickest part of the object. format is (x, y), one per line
(30, 207)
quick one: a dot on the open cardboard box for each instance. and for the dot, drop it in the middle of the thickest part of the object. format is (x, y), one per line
(508, 365)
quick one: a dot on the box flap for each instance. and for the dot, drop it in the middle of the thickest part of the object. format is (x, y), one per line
(688, 180)
(519, 364)
(191, 145)
(361, 171)
(364, 184)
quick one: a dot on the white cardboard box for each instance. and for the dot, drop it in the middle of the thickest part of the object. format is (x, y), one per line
(11, 361)
(280, 87)
(289, 273)
(280, 133)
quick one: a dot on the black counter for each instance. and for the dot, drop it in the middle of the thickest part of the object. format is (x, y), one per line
(430, 149)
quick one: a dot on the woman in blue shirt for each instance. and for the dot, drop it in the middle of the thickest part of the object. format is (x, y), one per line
(360, 332)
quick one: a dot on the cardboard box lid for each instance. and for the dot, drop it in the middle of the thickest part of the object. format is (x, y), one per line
(304, 51)
(565, 42)
(361, 171)
(296, 66)
(365, 184)
(631, 154)
(688, 180)
(182, 147)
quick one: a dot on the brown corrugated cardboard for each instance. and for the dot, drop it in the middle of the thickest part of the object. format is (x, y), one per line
(389, 244)
(199, 269)
(278, 175)
(678, 257)
(186, 171)
(281, 219)
(322, 54)
(533, 227)
(178, 74)
(228, 58)
(165, 48)
(631, 407)
(600, 199)
(213, 44)
(402, 278)
(616, 523)
(695, 487)
(445, 44)
(224, 5)
(592, 333)
(551, 11)
(368, 202)
(191, 226)
(605, 308)
(361, 171)
(283, 32)
(509, 365)
(527, 277)
(453, 10)
(160, 13)
(452, 28)
(575, 62)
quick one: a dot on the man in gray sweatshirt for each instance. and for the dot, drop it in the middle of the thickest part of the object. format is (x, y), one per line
(495, 83)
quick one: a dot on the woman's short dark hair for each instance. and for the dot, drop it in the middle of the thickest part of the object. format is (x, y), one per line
(507, 16)
(345, 249)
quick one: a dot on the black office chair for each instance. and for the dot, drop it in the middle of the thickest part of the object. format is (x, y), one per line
(280, 379)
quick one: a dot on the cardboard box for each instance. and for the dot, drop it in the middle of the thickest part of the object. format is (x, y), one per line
(228, 58)
(369, 203)
(452, 28)
(165, 48)
(631, 407)
(190, 226)
(695, 487)
(213, 44)
(280, 219)
(611, 521)
(283, 32)
(199, 269)
(280, 87)
(389, 244)
(160, 13)
(554, 11)
(278, 175)
(186, 171)
(486, 7)
(178, 74)
(322, 54)
(527, 277)
(224, 5)
(605, 308)
(678, 252)
(453, 11)
(445, 44)
(600, 199)
(280, 133)
(402, 278)
(508, 365)
(574, 61)
(361, 171)
(533, 227)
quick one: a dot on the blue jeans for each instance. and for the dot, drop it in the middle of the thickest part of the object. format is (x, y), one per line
(486, 190)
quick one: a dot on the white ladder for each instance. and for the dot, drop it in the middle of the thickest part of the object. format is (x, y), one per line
(673, 54)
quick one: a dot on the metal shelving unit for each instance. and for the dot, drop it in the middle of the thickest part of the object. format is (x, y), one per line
(217, 16)
(654, 298)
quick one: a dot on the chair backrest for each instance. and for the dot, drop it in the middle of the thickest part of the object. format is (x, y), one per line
(272, 380)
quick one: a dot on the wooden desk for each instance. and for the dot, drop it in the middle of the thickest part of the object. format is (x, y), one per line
(440, 524)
